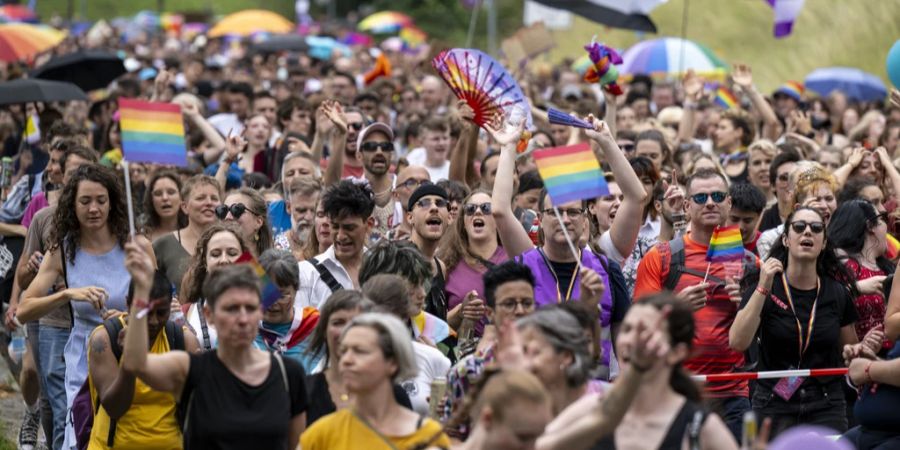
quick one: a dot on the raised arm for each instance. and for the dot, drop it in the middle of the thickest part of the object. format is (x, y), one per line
(610, 117)
(35, 301)
(841, 174)
(693, 90)
(334, 113)
(216, 141)
(624, 229)
(747, 320)
(743, 77)
(234, 146)
(166, 372)
(323, 131)
(463, 157)
(513, 236)
(889, 170)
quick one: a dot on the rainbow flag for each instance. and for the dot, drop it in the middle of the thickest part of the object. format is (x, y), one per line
(571, 173)
(269, 292)
(893, 247)
(152, 132)
(725, 98)
(725, 245)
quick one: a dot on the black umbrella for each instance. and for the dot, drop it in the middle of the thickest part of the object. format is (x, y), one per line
(33, 90)
(281, 43)
(89, 69)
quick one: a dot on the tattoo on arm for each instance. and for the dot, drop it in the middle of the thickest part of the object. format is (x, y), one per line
(98, 346)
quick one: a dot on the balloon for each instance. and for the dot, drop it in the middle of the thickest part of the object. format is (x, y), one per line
(893, 64)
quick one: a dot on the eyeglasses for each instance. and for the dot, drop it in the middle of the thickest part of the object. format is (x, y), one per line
(413, 183)
(236, 209)
(701, 198)
(427, 202)
(800, 226)
(513, 305)
(355, 125)
(470, 208)
(571, 212)
(386, 147)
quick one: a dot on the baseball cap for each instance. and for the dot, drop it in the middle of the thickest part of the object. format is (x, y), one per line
(377, 126)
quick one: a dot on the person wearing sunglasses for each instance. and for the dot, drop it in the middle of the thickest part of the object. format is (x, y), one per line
(710, 289)
(779, 174)
(429, 217)
(799, 308)
(375, 149)
(812, 186)
(247, 208)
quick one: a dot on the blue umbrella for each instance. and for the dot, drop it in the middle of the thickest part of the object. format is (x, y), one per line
(855, 83)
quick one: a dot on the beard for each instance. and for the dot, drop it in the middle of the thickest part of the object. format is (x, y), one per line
(302, 232)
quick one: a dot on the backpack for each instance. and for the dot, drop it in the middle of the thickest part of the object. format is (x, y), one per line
(673, 266)
(17, 200)
(83, 411)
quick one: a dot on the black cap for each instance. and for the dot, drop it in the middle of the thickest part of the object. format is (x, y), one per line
(422, 191)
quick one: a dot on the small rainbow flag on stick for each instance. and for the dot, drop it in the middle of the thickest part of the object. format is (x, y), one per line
(571, 173)
(152, 132)
(725, 245)
(269, 292)
(725, 98)
(893, 247)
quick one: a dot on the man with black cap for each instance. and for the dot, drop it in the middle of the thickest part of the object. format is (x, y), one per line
(428, 214)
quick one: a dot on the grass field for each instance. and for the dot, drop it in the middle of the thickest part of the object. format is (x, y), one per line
(855, 33)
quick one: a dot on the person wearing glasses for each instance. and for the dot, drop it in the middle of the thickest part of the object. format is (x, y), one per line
(799, 307)
(247, 208)
(429, 217)
(560, 275)
(779, 174)
(408, 180)
(711, 289)
(375, 149)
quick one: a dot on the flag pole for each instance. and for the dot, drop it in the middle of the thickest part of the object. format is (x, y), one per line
(128, 198)
(708, 264)
(566, 234)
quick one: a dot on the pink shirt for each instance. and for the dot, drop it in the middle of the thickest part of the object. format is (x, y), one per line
(464, 278)
(37, 203)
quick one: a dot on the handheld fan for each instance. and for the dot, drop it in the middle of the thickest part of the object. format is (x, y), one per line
(483, 83)
(603, 69)
(558, 117)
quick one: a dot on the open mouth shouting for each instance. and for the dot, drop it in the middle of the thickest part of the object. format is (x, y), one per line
(434, 224)
(478, 225)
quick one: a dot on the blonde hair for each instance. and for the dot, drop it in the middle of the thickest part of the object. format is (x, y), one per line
(807, 177)
(394, 341)
(501, 391)
(764, 146)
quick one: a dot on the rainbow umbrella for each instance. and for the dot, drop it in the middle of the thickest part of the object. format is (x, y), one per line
(250, 21)
(20, 41)
(385, 22)
(17, 13)
(665, 57)
(413, 36)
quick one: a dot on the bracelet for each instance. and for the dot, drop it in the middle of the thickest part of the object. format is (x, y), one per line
(869, 375)
(763, 291)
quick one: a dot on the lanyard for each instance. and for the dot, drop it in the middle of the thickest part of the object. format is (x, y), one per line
(559, 297)
(801, 347)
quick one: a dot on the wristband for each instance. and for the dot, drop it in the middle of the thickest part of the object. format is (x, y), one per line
(869, 375)
(763, 291)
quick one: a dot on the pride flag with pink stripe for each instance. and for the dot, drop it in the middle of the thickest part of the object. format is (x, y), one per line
(571, 173)
(152, 132)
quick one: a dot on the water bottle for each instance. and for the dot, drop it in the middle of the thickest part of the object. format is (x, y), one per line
(175, 315)
(750, 430)
(16, 346)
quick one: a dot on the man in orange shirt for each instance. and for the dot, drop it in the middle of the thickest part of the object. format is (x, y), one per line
(681, 266)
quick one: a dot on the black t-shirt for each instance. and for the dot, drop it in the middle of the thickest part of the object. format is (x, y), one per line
(320, 404)
(226, 413)
(564, 272)
(779, 345)
(771, 218)
(619, 292)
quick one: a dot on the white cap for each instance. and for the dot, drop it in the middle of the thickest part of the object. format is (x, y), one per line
(377, 126)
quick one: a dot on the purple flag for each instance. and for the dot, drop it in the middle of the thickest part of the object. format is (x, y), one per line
(786, 12)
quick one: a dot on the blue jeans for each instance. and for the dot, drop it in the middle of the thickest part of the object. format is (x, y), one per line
(731, 410)
(53, 374)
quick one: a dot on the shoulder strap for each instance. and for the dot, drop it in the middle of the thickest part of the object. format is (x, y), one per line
(675, 267)
(113, 326)
(695, 427)
(175, 336)
(204, 328)
(326, 276)
(284, 378)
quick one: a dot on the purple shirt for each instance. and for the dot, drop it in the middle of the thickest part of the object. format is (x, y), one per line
(37, 203)
(463, 278)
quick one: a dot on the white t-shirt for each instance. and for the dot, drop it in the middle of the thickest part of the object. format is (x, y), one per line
(227, 122)
(432, 364)
(417, 157)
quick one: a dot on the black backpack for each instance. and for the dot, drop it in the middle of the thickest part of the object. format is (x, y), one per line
(672, 259)
(83, 411)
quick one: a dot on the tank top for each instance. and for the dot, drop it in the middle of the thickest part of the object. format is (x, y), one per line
(689, 421)
(436, 302)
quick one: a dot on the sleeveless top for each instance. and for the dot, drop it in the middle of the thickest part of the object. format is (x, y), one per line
(150, 421)
(689, 421)
(436, 302)
(546, 289)
(108, 272)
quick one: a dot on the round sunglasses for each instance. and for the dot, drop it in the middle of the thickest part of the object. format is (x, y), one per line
(236, 209)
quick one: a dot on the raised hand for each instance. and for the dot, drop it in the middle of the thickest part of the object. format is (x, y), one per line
(502, 133)
(856, 156)
(139, 263)
(692, 85)
(768, 271)
(895, 98)
(234, 146)
(591, 287)
(335, 114)
(190, 109)
(464, 111)
(323, 125)
(883, 156)
(601, 133)
(742, 76)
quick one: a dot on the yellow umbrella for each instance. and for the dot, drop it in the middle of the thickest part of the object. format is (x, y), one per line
(19, 41)
(247, 22)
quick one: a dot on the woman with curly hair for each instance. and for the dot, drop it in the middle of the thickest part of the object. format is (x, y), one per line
(162, 205)
(87, 253)
(220, 245)
(470, 249)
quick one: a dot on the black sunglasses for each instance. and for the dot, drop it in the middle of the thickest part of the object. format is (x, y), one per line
(386, 147)
(800, 226)
(427, 202)
(356, 125)
(717, 197)
(470, 208)
(237, 210)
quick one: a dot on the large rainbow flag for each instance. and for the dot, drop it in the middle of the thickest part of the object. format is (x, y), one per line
(571, 173)
(152, 132)
(725, 245)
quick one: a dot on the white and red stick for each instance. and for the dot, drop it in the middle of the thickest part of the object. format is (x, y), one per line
(771, 374)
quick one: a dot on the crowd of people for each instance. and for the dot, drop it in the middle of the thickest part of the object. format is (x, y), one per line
(430, 296)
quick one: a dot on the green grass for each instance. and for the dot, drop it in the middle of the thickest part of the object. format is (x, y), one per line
(5, 443)
(827, 33)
